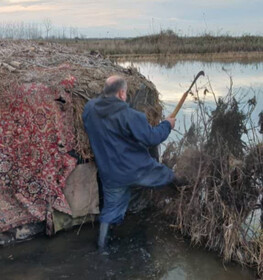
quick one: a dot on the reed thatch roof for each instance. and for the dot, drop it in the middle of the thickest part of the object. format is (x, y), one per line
(27, 62)
(43, 89)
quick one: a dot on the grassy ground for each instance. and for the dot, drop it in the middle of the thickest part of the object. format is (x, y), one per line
(168, 43)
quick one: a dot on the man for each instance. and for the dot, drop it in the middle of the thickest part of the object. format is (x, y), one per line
(120, 138)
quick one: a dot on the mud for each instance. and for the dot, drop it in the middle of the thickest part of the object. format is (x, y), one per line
(143, 247)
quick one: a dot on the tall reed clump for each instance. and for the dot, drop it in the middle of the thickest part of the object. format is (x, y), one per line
(222, 158)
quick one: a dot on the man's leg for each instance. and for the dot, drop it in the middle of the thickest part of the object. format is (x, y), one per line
(159, 176)
(103, 236)
(116, 201)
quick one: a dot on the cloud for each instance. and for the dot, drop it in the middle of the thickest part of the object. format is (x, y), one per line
(19, 8)
(9, 3)
(22, 1)
(140, 17)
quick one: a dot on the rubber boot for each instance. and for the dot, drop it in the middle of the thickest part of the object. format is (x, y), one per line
(103, 238)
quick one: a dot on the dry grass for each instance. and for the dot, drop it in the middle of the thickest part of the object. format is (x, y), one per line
(168, 43)
(225, 177)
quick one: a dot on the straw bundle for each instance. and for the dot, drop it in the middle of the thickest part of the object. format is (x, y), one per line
(221, 207)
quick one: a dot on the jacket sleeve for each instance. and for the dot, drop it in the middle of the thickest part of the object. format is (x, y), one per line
(84, 115)
(143, 132)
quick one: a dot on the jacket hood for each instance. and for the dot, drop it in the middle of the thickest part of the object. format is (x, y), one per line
(106, 106)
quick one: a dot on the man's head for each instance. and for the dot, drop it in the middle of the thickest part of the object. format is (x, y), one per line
(116, 86)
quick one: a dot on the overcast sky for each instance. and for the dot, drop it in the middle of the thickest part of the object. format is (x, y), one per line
(126, 18)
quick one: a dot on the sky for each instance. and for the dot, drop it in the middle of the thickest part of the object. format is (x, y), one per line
(130, 18)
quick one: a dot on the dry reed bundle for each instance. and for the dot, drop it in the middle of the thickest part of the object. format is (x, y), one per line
(43, 90)
(219, 207)
(28, 62)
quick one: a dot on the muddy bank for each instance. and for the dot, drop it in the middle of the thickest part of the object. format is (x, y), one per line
(143, 247)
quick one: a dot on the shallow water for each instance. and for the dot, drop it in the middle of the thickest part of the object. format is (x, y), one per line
(172, 80)
(143, 247)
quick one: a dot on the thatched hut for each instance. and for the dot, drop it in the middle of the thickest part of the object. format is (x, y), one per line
(45, 159)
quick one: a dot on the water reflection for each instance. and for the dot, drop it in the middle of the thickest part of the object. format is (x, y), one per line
(173, 81)
(143, 248)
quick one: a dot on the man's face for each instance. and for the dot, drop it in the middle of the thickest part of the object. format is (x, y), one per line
(122, 94)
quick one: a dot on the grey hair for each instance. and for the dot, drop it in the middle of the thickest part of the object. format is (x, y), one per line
(111, 89)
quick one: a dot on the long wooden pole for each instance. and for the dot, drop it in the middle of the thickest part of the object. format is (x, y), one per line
(182, 100)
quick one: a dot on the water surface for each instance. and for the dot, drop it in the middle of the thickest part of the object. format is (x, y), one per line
(244, 81)
(143, 247)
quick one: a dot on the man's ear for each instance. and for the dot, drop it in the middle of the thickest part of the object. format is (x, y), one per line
(122, 95)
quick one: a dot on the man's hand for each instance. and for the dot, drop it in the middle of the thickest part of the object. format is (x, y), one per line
(171, 121)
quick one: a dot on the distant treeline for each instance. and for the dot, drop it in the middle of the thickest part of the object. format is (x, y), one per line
(36, 31)
(166, 42)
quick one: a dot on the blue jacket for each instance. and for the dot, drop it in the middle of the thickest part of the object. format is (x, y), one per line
(120, 137)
